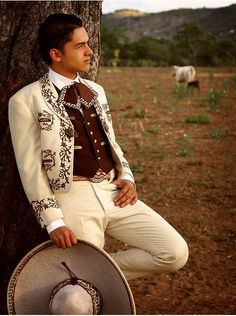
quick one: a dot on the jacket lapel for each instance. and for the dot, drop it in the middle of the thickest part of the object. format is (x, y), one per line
(50, 96)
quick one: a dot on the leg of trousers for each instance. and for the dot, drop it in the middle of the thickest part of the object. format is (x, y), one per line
(89, 211)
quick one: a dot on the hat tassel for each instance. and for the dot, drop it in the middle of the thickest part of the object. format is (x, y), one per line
(72, 275)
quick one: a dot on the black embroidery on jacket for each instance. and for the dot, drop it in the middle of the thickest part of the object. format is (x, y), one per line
(56, 184)
(45, 120)
(125, 164)
(48, 159)
(48, 95)
(65, 153)
(40, 206)
(65, 160)
(108, 112)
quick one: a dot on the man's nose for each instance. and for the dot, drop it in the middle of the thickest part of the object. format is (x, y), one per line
(89, 51)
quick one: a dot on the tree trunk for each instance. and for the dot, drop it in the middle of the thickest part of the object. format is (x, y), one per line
(20, 65)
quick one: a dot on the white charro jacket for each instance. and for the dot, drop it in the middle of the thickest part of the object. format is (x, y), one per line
(43, 142)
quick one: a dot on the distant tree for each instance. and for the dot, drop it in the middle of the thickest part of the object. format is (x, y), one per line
(227, 51)
(112, 42)
(188, 41)
(189, 46)
(147, 49)
(208, 51)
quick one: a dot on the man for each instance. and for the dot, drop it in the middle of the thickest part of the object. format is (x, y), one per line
(73, 171)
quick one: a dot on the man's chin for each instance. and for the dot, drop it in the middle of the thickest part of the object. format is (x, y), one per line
(85, 70)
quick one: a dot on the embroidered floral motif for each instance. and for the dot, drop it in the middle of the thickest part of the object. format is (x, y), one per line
(45, 120)
(65, 160)
(108, 112)
(56, 184)
(125, 164)
(48, 95)
(66, 137)
(99, 110)
(48, 159)
(65, 153)
(42, 205)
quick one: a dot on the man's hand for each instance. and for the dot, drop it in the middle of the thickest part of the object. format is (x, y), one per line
(63, 237)
(127, 194)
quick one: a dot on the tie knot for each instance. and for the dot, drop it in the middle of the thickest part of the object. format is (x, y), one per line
(77, 94)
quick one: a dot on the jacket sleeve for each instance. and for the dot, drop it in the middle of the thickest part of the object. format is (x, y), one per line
(124, 171)
(25, 134)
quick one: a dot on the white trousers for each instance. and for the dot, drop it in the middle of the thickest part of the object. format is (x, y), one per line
(89, 211)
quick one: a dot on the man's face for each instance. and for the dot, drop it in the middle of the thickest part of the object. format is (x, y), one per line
(75, 56)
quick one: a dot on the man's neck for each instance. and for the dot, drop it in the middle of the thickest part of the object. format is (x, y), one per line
(63, 72)
(59, 80)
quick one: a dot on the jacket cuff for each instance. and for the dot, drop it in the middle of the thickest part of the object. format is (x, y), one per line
(127, 176)
(46, 211)
(55, 224)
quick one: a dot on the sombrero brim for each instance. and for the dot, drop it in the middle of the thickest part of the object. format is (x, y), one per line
(40, 271)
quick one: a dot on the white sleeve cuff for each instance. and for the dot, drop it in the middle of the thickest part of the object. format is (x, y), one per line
(127, 176)
(55, 224)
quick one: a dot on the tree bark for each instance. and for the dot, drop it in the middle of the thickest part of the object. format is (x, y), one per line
(21, 65)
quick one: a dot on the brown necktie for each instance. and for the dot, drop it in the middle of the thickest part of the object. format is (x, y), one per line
(77, 95)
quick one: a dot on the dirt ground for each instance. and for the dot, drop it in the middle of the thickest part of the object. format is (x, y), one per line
(185, 170)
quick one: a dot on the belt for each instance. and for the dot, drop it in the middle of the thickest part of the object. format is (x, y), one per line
(98, 177)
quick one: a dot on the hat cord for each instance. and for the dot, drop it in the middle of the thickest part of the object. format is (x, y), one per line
(72, 275)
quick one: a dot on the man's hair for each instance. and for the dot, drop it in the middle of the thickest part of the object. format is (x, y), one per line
(55, 32)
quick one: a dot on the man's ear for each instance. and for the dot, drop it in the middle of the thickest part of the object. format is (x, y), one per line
(55, 54)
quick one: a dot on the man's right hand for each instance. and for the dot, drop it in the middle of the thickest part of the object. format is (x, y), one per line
(63, 237)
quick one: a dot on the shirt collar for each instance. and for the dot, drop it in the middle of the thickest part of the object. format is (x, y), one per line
(60, 81)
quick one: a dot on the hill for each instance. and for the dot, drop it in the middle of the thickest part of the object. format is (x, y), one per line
(135, 24)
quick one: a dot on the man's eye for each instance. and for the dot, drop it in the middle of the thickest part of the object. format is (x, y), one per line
(81, 45)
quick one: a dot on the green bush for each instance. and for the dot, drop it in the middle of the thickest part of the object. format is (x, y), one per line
(198, 119)
(213, 99)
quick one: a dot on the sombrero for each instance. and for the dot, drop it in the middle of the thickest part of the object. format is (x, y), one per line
(82, 279)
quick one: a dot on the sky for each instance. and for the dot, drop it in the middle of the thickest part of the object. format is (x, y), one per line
(161, 5)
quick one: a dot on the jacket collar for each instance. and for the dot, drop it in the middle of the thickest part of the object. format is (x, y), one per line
(61, 81)
(50, 96)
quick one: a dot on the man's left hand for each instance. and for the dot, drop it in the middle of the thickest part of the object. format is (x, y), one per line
(127, 194)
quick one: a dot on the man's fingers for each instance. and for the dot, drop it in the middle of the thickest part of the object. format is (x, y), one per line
(123, 197)
(57, 242)
(62, 242)
(122, 193)
(127, 194)
(63, 237)
(67, 241)
(135, 199)
(129, 198)
(73, 238)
